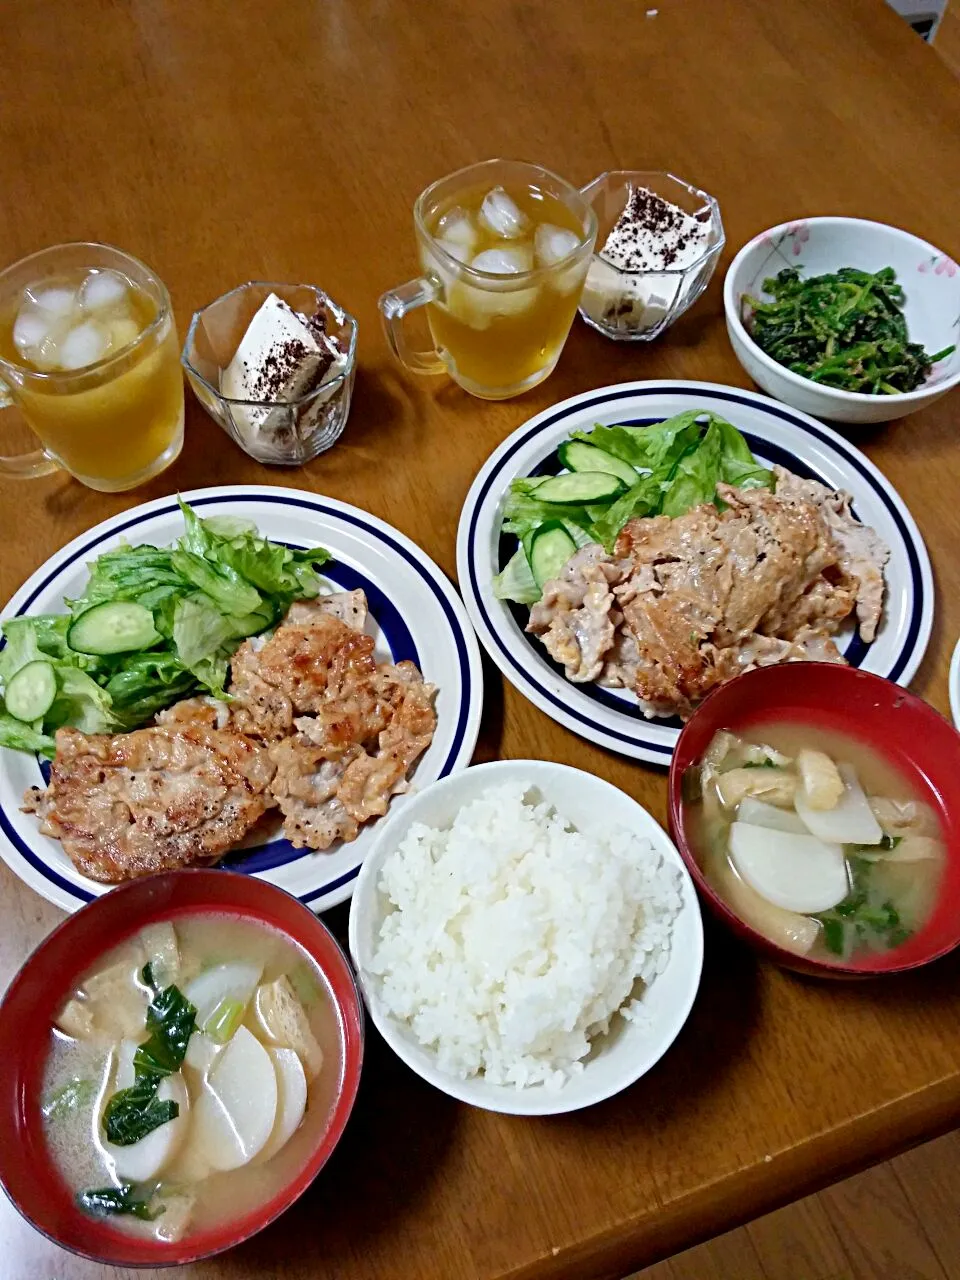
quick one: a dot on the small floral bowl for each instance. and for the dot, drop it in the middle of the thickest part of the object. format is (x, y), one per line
(279, 433)
(816, 246)
(637, 306)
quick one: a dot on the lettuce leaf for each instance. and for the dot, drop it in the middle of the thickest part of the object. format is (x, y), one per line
(515, 581)
(642, 500)
(80, 702)
(25, 737)
(649, 447)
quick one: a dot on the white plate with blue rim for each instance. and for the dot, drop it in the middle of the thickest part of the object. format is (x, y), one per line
(776, 434)
(415, 614)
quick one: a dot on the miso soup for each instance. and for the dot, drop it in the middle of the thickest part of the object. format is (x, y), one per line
(191, 1075)
(815, 840)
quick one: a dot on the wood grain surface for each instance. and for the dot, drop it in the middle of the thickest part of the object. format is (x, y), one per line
(225, 140)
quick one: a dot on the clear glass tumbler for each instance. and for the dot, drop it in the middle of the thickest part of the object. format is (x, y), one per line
(496, 332)
(115, 420)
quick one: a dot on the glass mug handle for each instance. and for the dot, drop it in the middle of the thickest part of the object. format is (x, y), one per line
(394, 306)
(25, 465)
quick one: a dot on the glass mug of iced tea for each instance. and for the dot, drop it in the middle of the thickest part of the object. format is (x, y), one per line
(89, 355)
(504, 248)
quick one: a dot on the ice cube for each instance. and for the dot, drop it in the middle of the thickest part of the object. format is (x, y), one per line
(457, 226)
(56, 300)
(103, 289)
(29, 330)
(500, 214)
(123, 331)
(457, 249)
(553, 244)
(84, 345)
(504, 262)
(46, 357)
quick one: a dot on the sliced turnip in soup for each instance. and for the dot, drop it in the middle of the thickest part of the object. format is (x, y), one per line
(797, 872)
(821, 785)
(291, 1101)
(235, 1114)
(220, 996)
(759, 814)
(850, 821)
(143, 1161)
(202, 1053)
(787, 929)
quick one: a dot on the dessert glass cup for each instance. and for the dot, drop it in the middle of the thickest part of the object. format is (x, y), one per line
(280, 433)
(636, 306)
(495, 335)
(116, 423)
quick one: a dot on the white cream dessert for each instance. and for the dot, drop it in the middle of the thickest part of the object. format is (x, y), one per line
(651, 236)
(282, 357)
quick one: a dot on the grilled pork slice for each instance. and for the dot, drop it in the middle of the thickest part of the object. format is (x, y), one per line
(177, 794)
(687, 603)
(862, 552)
(342, 729)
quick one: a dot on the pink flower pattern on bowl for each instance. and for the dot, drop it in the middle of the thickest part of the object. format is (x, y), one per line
(798, 233)
(940, 266)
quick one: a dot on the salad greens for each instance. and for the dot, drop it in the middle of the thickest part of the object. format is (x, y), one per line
(845, 329)
(220, 583)
(678, 464)
(134, 1112)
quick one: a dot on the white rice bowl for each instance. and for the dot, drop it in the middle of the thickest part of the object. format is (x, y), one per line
(505, 939)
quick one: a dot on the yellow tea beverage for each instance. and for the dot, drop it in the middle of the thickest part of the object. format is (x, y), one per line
(495, 330)
(504, 249)
(90, 354)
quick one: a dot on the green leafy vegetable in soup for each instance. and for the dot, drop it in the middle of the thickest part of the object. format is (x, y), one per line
(845, 329)
(134, 1112)
(106, 1201)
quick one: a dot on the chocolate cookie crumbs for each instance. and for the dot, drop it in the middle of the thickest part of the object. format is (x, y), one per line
(652, 234)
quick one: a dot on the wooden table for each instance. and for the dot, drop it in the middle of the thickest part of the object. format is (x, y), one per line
(226, 140)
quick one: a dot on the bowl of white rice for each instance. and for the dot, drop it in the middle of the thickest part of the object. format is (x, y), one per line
(526, 936)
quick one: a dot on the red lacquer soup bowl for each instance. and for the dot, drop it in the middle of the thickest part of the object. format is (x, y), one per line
(27, 1172)
(895, 724)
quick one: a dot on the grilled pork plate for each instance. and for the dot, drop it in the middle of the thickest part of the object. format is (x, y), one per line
(315, 725)
(686, 603)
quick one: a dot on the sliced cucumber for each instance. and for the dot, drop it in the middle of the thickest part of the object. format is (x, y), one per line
(548, 550)
(577, 455)
(30, 692)
(581, 486)
(115, 627)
